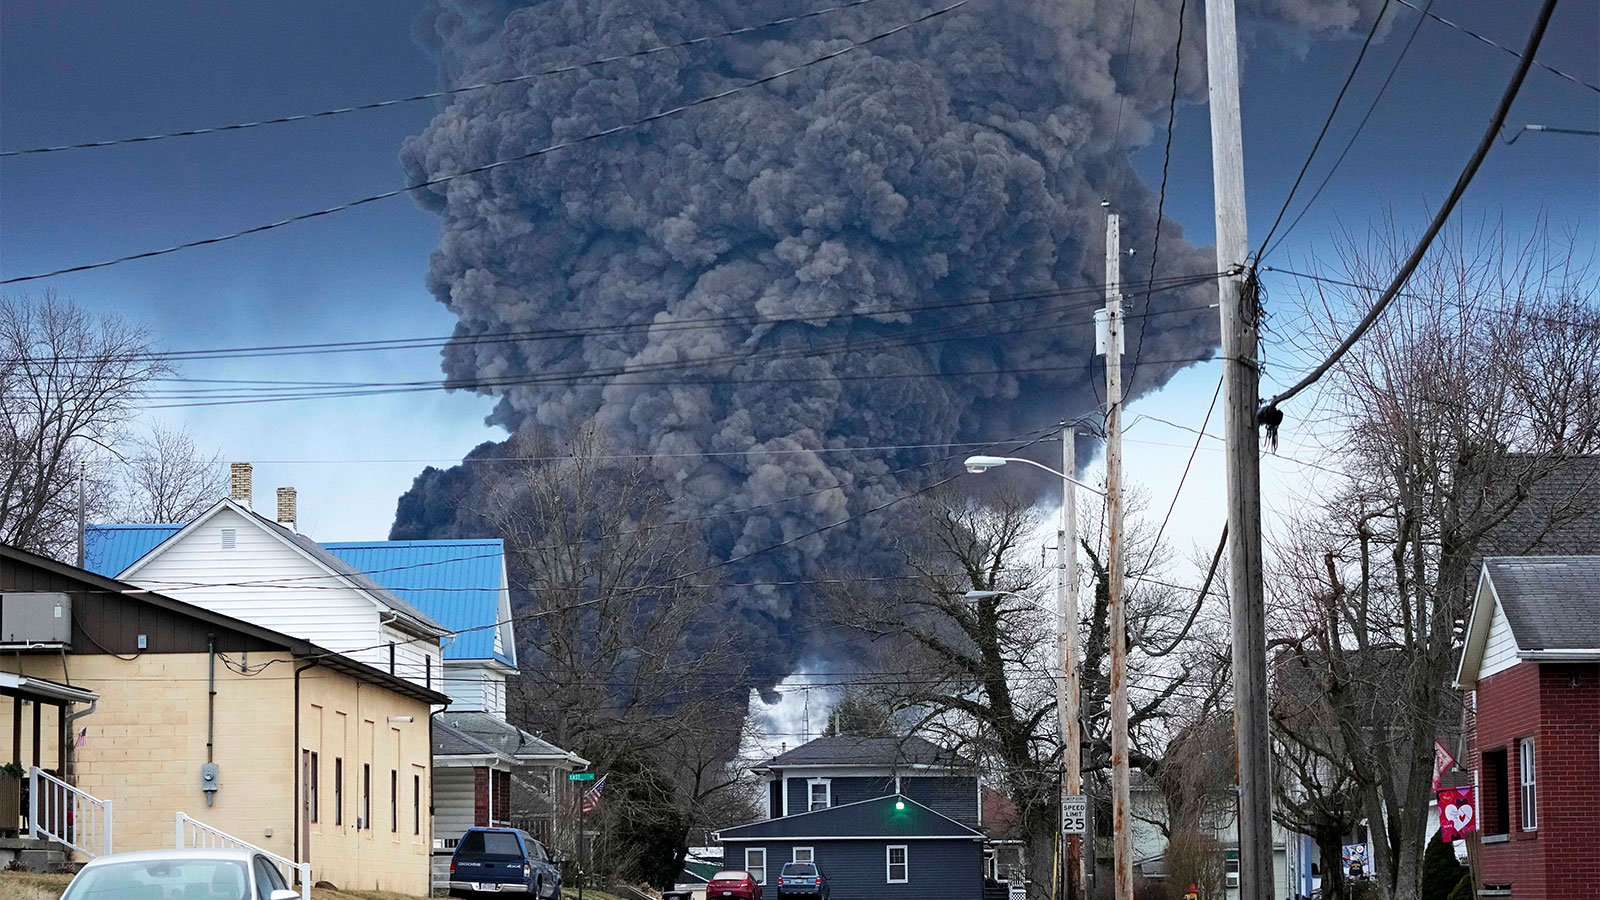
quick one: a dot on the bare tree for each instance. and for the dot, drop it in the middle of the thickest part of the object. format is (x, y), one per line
(69, 383)
(625, 657)
(981, 673)
(1464, 397)
(168, 479)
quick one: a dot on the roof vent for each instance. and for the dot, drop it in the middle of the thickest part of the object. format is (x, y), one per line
(230, 538)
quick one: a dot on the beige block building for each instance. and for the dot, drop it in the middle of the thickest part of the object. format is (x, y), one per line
(317, 757)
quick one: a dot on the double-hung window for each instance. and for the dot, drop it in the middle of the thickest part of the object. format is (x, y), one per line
(755, 862)
(1525, 776)
(820, 795)
(804, 855)
(899, 864)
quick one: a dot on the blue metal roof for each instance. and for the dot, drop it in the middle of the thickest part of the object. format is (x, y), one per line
(109, 549)
(455, 583)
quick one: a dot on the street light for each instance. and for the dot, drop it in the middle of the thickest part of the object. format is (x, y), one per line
(1066, 631)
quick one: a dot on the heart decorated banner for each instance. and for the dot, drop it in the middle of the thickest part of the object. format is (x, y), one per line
(1458, 813)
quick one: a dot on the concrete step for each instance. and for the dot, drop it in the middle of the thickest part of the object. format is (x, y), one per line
(34, 856)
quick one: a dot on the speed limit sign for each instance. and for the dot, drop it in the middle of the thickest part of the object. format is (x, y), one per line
(1074, 814)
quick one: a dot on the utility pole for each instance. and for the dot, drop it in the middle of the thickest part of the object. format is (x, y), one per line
(83, 525)
(1067, 691)
(1122, 837)
(1241, 388)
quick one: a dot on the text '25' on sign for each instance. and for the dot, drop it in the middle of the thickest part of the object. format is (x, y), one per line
(1074, 814)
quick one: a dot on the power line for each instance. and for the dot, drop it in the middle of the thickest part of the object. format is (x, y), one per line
(1415, 259)
(1512, 313)
(488, 167)
(1161, 202)
(1468, 31)
(1327, 123)
(449, 92)
(1376, 98)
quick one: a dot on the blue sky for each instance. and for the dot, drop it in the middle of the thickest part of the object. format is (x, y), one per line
(90, 70)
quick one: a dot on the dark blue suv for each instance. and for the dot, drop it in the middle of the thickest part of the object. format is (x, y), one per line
(503, 861)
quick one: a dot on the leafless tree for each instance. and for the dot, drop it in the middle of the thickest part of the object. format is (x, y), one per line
(69, 384)
(1471, 390)
(168, 479)
(625, 657)
(981, 673)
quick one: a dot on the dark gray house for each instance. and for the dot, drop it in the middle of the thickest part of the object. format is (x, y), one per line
(883, 817)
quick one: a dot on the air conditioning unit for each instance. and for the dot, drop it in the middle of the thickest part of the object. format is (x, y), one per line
(35, 621)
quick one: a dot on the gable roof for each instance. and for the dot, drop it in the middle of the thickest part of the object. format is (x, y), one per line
(296, 646)
(1559, 515)
(1551, 603)
(460, 584)
(505, 738)
(846, 750)
(875, 818)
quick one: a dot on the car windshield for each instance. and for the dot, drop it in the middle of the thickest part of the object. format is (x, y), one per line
(730, 876)
(799, 869)
(162, 879)
(489, 843)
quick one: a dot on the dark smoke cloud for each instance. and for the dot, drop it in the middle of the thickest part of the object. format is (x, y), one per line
(964, 158)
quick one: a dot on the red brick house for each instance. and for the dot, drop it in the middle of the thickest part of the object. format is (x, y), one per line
(1532, 666)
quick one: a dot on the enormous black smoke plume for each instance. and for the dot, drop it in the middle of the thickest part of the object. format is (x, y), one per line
(964, 158)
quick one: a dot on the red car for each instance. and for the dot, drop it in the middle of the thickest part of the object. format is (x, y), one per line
(733, 885)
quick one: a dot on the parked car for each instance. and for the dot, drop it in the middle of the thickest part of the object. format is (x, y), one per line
(181, 875)
(503, 861)
(733, 884)
(802, 879)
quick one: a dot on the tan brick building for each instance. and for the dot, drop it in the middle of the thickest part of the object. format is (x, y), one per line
(318, 757)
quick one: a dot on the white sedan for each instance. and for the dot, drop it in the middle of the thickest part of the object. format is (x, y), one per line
(181, 875)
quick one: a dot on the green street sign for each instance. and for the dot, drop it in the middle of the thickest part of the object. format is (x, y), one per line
(580, 776)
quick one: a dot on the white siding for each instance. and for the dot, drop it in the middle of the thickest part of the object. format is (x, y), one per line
(476, 689)
(452, 803)
(1500, 647)
(316, 609)
(302, 599)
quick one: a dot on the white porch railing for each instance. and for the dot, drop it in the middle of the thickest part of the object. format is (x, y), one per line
(59, 812)
(194, 833)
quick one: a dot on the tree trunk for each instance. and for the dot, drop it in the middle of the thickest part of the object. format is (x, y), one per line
(1330, 849)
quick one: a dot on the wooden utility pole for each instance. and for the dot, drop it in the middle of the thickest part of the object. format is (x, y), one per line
(1067, 690)
(1241, 388)
(1121, 816)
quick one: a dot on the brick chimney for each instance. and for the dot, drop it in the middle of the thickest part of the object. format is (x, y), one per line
(288, 512)
(239, 483)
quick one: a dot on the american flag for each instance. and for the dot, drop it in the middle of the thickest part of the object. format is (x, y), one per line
(81, 739)
(591, 797)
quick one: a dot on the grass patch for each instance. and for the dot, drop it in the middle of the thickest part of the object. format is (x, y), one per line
(32, 886)
(321, 894)
(589, 893)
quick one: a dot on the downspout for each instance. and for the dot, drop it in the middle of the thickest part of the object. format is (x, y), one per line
(295, 758)
(211, 698)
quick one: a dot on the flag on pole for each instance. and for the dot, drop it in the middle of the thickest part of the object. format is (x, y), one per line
(591, 797)
(81, 739)
(1442, 761)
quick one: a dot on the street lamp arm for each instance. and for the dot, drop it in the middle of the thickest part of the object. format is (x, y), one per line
(1016, 459)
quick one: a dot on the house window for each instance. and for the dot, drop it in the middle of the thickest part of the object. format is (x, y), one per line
(394, 801)
(1525, 777)
(338, 790)
(366, 796)
(416, 804)
(899, 864)
(821, 795)
(804, 854)
(312, 778)
(755, 862)
(427, 672)
(1496, 799)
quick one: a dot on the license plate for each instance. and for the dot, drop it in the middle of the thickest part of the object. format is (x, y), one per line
(487, 888)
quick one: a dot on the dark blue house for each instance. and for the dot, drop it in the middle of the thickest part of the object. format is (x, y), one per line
(884, 817)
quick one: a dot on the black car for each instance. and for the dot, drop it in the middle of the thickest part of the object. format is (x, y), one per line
(802, 879)
(503, 861)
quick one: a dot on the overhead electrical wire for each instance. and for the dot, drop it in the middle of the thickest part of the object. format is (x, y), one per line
(1497, 121)
(540, 334)
(1376, 98)
(1468, 31)
(501, 163)
(1161, 201)
(1326, 124)
(447, 92)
